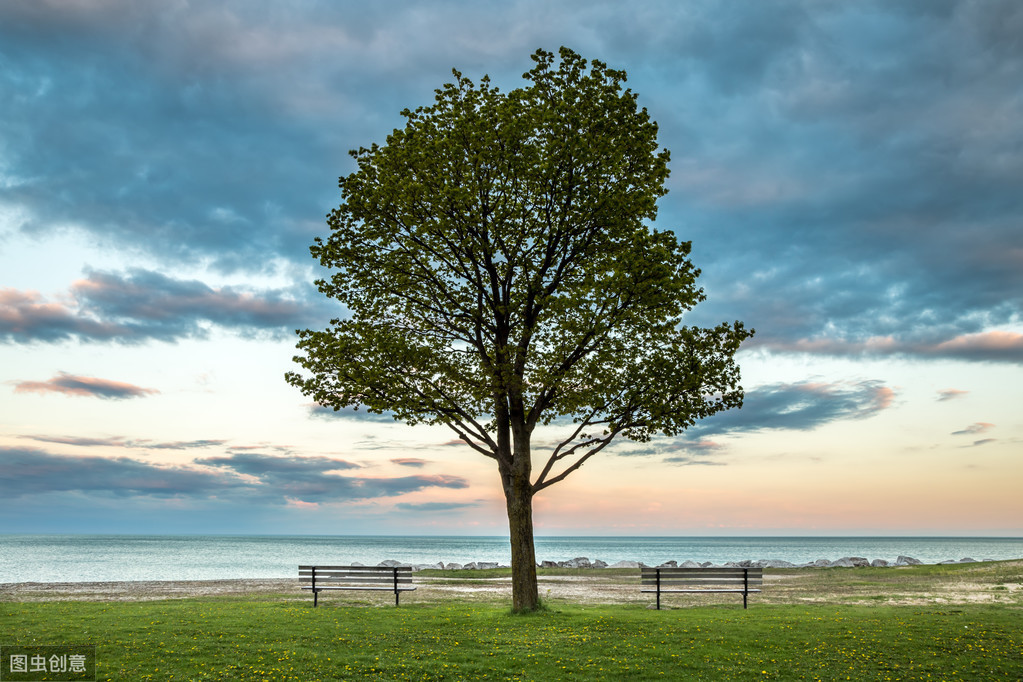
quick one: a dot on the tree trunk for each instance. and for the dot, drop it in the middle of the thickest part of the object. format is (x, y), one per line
(519, 497)
(516, 472)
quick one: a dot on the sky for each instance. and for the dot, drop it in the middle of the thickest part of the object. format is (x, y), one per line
(850, 175)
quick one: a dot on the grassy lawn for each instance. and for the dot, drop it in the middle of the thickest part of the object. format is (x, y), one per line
(281, 637)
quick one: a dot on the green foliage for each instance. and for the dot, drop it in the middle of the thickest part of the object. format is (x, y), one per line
(496, 264)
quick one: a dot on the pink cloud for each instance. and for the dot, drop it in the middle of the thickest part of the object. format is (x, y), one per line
(69, 384)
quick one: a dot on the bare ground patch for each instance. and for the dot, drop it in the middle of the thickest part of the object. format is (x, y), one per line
(988, 583)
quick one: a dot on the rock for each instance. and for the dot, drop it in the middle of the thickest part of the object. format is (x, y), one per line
(389, 563)
(669, 564)
(428, 567)
(706, 564)
(356, 563)
(578, 562)
(967, 560)
(626, 564)
(471, 566)
(689, 564)
(907, 561)
(597, 563)
(484, 565)
(452, 567)
(548, 564)
(850, 562)
(775, 563)
(822, 563)
(746, 563)
(879, 563)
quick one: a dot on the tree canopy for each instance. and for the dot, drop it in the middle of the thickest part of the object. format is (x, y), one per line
(498, 273)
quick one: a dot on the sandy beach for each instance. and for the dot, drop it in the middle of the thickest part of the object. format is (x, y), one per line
(996, 582)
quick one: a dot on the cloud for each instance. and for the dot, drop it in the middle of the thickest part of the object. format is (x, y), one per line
(414, 462)
(991, 346)
(947, 394)
(849, 173)
(121, 442)
(324, 412)
(69, 384)
(29, 472)
(431, 507)
(314, 479)
(802, 406)
(141, 305)
(974, 429)
(260, 479)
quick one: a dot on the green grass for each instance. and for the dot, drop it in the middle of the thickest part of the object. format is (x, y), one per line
(231, 639)
(956, 622)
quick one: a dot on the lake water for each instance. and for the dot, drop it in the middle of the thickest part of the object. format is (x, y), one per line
(83, 558)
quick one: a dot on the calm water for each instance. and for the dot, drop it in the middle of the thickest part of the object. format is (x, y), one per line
(80, 558)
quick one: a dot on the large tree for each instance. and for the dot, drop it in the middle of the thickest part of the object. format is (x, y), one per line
(498, 274)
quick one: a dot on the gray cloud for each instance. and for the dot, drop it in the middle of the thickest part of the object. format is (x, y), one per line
(120, 442)
(947, 394)
(974, 429)
(69, 384)
(349, 413)
(28, 472)
(311, 479)
(850, 173)
(775, 407)
(250, 477)
(143, 305)
(799, 407)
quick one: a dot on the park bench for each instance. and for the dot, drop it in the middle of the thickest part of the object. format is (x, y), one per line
(663, 580)
(395, 579)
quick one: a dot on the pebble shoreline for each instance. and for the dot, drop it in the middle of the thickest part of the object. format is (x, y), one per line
(584, 562)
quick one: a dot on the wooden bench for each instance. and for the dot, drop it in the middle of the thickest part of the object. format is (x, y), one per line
(696, 580)
(395, 579)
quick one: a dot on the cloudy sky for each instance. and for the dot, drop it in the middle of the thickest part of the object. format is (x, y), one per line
(851, 176)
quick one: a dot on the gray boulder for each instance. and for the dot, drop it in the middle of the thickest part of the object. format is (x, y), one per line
(471, 566)
(626, 564)
(597, 563)
(452, 567)
(389, 563)
(775, 563)
(879, 563)
(689, 564)
(907, 561)
(850, 562)
(484, 565)
(669, 564)
(578, 562)
(548, 564)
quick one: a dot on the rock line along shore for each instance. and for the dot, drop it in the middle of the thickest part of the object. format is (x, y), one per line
(584, 562)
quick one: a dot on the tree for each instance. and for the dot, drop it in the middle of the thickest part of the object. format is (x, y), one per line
(499, 276)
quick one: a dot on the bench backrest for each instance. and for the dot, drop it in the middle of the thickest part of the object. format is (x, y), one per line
(368, 576)
(709, 578)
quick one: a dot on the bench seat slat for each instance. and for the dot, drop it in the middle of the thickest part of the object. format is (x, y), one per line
(355, 579)
(701, 590)
(320, 588)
